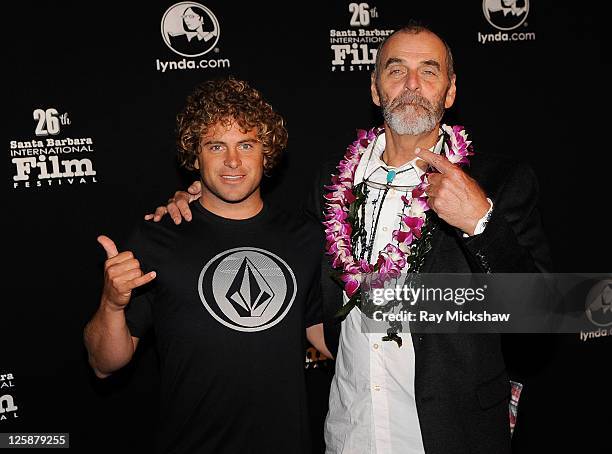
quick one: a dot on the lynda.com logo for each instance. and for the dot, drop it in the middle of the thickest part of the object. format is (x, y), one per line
(505, 14)
(247, 289)
(190, 29)
(598, 306)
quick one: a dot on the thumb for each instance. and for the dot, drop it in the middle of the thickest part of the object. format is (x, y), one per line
(108, 245)
(195, 188)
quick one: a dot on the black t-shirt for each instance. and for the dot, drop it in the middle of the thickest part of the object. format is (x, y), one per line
(229, 307)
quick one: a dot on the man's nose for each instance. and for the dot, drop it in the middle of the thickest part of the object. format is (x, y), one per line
(232, 159)
(412, 81)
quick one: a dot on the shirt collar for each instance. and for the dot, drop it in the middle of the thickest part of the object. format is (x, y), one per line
(372, 160)
(379, 147)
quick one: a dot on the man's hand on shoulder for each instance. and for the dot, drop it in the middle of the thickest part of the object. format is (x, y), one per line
(178, 206)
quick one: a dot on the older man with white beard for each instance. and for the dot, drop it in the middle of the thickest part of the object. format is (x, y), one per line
(425, 393)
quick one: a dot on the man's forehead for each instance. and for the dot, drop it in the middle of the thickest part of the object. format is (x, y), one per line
(425, 45)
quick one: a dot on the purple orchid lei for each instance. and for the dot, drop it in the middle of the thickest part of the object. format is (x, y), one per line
(340, 216)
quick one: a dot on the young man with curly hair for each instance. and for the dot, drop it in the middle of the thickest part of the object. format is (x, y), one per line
(229, 295)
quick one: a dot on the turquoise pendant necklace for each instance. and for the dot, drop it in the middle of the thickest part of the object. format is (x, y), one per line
(392, 173)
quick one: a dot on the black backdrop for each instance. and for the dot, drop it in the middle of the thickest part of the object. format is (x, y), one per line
(537, 95)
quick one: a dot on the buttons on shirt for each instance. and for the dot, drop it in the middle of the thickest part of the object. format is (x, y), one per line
(375, 346)
(376, 387)
(385, 229)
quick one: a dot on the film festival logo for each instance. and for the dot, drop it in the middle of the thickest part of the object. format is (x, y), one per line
(48, 160)
(247, 289)
(354, 49)
(506, 16)
(190, 30)
(8, 409)
(598, 310)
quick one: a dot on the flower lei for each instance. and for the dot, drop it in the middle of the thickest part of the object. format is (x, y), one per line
(343, 201)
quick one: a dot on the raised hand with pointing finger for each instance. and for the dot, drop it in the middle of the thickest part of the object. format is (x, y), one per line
(122, 274)
(456, 197)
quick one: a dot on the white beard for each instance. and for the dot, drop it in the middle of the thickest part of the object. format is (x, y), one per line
(411, 123)
(403, 116)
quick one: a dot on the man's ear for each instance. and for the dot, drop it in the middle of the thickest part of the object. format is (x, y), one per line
(374, 89)
(451, 93)
(265, 163)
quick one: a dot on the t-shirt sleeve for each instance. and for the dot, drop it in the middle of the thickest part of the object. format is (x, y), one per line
(314, 312)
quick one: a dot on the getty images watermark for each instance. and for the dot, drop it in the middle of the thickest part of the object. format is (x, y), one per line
(411, 296)
(487, 303)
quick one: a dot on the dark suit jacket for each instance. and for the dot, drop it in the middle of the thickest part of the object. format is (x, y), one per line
(461, 384)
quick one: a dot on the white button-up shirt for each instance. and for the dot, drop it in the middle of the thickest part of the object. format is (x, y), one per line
(372, 407)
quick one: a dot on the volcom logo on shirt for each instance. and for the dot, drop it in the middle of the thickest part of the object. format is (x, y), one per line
(247, 289)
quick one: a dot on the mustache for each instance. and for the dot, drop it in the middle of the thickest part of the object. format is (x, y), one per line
(411, 98)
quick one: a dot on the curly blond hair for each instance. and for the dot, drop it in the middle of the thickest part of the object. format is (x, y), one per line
(225, 101)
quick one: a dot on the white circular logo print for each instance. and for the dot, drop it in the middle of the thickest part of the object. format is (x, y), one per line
(247, 289)
(599, 303)
(190, 29)
(505, 14)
